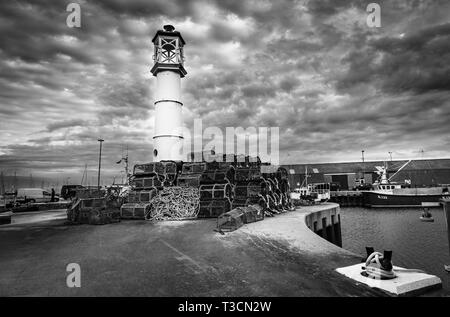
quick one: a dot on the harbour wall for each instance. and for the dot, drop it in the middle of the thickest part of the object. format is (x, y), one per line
(326, 222)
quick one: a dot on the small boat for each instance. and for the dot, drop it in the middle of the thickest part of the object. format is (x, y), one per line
(426, 219)
(315, 193)
(426, 216)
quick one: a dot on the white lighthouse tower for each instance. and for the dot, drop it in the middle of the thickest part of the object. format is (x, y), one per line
(168, 69)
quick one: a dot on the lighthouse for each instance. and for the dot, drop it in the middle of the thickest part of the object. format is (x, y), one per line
(168, 69)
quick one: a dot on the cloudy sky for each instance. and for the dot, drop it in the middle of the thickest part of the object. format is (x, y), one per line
(314, 68)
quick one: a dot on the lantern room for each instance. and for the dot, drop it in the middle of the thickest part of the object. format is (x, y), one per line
(168, 51)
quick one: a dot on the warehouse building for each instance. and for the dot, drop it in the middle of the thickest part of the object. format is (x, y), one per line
(347, 176)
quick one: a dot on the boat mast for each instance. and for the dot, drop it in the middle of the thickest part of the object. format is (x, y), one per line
(84, 175)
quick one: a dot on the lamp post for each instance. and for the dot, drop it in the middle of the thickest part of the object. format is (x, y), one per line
(99, 163)
(363, 168)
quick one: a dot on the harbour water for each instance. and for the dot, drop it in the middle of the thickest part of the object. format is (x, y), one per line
(415, 244)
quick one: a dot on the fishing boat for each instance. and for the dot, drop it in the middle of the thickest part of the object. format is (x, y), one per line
(315, 192)
(387, 193)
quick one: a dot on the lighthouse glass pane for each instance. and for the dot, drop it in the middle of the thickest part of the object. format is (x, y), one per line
(168, 52)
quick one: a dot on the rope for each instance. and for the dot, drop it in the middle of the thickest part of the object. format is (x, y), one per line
(174, 203)
(374, 268)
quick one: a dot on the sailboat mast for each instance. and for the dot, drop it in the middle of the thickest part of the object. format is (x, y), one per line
(306, 176)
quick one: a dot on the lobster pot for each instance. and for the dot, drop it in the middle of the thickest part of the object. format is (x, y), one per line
(249, 189)
(272, 184)
(191, 174)
(247, 174)
(283, 185)
(239, 202)
(144, 169)
(189, 180)
(147, 182)
(257, 211)
(193, 168)
(169, 180)
(273, 203)
(213, 208)
(231, 220)
(134, 211)
(216, 191)
(166, 167)
(143, 196)
(212, 176)
(169, 170)
(151, 168)
(92, 211)
(248, 214)
(282, 173)
(92, 203)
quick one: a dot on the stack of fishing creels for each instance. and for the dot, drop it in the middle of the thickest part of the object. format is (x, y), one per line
(216, 189)
(273, 197)
(147, 179)
(94, 211)
(215, 199)
(138, 203)
(282, 177)
(248, 193)
(191, 174)
(218, 173)
(239, 216)
(249, 182)
(155, 174)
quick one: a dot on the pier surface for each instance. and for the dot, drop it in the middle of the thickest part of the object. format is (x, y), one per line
(279, 256)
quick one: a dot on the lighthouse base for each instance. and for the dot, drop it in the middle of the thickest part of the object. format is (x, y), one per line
(167, 148)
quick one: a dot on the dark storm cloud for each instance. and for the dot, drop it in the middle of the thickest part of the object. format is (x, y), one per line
(418, 62)
(312, 68)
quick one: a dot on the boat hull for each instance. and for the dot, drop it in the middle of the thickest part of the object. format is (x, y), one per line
(386, 200)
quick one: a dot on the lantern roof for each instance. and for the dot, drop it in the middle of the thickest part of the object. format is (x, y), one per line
(168, 30)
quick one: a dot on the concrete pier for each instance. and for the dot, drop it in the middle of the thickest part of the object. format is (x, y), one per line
(279, 256)
(326, 222)
(446, 206)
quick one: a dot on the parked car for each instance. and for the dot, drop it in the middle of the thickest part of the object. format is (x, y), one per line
(70, 191)
(33, 195)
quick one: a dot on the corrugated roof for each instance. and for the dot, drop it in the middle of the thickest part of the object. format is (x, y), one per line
(352, 167)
